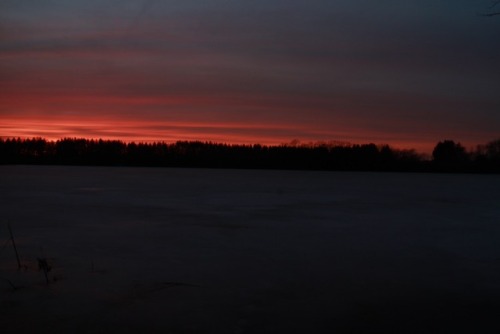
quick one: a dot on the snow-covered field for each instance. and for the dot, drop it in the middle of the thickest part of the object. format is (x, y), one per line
(142, 250)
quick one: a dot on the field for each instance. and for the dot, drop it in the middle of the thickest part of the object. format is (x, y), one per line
(145, 250)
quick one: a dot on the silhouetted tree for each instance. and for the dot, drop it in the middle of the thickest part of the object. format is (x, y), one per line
(487, 157)
(450, 156)
(493, 150)
(450, 152)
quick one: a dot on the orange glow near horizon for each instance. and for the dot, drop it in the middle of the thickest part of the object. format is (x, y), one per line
(96, 109)
(223, 117)
(137, 130)
(162, 131)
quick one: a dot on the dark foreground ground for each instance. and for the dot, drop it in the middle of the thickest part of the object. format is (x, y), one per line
(221, 251)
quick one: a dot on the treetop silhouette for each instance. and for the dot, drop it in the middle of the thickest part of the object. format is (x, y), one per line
(447, 156)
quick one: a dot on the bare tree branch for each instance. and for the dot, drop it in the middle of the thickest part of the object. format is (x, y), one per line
(490, 14)
(494, 4)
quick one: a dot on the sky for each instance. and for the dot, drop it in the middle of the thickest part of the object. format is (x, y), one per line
(407, 73)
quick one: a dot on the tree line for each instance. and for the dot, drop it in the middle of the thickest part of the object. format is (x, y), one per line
(447, 156)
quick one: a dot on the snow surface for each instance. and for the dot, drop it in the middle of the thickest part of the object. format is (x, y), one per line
(144, 250)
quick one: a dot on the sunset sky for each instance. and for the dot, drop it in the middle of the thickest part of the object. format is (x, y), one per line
(406, 73)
